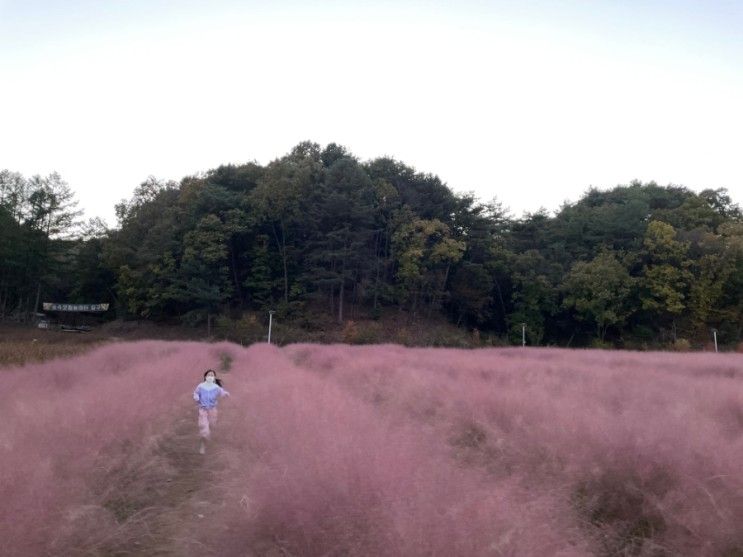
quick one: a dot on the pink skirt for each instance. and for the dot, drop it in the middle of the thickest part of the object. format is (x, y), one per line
(207, 418)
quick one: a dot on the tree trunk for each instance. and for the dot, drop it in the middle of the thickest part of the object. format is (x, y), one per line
(502, 304)
(238, 291)
(340, 303)
(282, 251)
(38, 295)
(27, 280)
(376, 277)
(355, 297)
(340, 293)
(286, 282)
(332, 290)
(438, 292)
(570, 340)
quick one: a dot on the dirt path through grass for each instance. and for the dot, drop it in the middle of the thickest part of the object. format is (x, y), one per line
(188, 497)
(160, 495)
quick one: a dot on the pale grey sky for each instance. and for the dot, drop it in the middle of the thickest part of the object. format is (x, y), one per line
(529, 102)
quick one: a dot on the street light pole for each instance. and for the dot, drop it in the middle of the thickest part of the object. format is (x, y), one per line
(270, 322)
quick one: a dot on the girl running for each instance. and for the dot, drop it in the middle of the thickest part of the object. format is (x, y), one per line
(207, 394)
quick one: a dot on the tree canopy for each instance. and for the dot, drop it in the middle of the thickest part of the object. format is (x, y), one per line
(317, 230)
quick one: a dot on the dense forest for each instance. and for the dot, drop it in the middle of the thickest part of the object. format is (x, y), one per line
(319, 232)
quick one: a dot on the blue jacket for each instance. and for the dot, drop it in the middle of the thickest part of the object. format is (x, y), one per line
(206, 394)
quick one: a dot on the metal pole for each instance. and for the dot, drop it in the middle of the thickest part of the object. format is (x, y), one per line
(714, 332)
(523, 334)
(270, 322)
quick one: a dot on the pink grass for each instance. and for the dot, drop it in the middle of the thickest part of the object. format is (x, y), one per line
(337, 450)
(59, 417)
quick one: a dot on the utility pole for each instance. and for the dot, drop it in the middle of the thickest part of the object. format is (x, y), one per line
(714, 334)
(523, 334)
(270, 322)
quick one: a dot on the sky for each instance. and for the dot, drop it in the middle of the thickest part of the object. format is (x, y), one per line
(530, 103)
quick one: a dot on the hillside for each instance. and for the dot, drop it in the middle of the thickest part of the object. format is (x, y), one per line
(319, 236)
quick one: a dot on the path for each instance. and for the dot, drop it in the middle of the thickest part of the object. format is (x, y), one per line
(160, 496)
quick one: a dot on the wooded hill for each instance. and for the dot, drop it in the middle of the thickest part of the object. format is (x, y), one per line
(318, 231)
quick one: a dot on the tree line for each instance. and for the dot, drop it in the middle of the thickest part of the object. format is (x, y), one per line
(318, 230)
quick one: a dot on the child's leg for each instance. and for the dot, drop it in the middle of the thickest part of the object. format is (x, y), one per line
(213, 415)
(204, 423)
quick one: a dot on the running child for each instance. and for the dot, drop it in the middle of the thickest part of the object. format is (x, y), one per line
(206, 395)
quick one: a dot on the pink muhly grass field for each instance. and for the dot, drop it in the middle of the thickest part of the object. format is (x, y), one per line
(59, 417)
(385, 450)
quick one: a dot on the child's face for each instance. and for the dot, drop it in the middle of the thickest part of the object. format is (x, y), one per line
(210, 377)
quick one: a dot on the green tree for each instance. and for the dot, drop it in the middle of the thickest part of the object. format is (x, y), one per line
(39, 214)
(91, 281)
(425, 194)
(598, 291)
(204, 274)
(665, 279)
(471, 292)
(278, 201)
(340, 245)
(728, 313)
(14, 195)
(425, 253)
(144, 252)
(473, 296)
(260, 283)
(534, 296)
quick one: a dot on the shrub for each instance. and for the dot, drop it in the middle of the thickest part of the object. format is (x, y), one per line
(681, 345)
(601, 344)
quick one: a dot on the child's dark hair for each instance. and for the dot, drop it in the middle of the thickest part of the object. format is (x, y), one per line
(216, 379)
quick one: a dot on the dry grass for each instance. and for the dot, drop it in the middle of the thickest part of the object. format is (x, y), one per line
(318, 327)
(20, 345)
